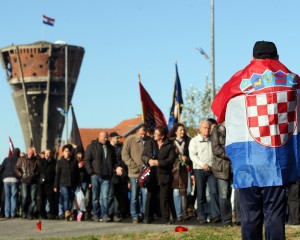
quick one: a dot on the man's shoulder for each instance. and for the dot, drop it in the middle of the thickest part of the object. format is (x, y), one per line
(93, 143)
(130, 138)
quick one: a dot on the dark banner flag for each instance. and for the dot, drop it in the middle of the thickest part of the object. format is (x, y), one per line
(177, 102)
(75, 138)
(151, 114)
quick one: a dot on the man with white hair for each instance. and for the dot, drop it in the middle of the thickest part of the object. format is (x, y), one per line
(202, 157)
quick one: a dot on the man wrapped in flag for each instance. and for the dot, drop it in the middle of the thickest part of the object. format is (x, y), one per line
(260, 109)
(177, 102)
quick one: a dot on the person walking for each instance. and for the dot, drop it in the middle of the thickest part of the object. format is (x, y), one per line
(221, 169)
(27, 171)
(131, 154)
(99, 157)
(11, 184)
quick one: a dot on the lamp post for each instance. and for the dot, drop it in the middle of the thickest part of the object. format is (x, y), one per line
(213, 90)
(66, 90)
(63, 43)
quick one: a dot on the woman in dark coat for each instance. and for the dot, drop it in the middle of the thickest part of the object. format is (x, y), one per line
(161, 154)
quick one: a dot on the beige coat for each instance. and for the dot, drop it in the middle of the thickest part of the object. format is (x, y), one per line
(131, 154)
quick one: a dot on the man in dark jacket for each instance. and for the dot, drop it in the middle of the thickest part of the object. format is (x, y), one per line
(99, 164)
(45, 185)
(27, 170)
(11, 183)
(118, 193)
(222, 171)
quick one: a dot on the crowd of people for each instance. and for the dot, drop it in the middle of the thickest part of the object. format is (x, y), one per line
(100, 183)
(190, 178)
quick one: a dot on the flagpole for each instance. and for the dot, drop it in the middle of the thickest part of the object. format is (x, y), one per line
(139, 81)
(175, 88)
(66, 90)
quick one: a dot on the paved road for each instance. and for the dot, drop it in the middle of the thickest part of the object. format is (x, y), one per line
(26, 229)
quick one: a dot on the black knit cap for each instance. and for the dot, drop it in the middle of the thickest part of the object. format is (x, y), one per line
(264, 49)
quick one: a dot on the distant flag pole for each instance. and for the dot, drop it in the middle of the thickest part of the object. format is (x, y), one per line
(177, 101)
(200, 50)
(143, 116)
(75, 138)
(152, 116)
(11, 147)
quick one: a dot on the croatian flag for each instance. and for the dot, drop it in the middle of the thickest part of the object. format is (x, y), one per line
(261, 117)
(49, 21)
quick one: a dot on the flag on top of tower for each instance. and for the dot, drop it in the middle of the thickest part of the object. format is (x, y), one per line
(200, 50)
(11, 147)
(177, 102)
(152, 116)
(49, 21)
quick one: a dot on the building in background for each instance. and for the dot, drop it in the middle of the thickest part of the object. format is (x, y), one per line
(36, 74)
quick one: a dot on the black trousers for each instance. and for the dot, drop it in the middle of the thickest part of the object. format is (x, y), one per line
(294, 202)
(263, 205)
(152, 202)
(45, 192)
(167, 207)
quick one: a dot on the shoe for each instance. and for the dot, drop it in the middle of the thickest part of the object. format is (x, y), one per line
(23, 215)
(179, 219)
(106, 219)
(68, 216)
(135, 221)
(79, 216)
(228, 224)
(233, 217)
(61, 217)
(87, 216)
(238, 223)
(96, 219)
(146, 221)
(216, 220)
(117, 219)
(203, 221)
(168, 222)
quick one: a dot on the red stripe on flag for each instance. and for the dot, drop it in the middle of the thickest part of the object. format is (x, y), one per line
(153, 116)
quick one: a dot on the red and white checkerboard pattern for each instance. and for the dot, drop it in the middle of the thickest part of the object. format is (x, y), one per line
(272, 117)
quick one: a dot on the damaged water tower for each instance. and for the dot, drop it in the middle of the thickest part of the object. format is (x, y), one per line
(37, 75)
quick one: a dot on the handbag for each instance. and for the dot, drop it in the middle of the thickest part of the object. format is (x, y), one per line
(80, 200)
(145, 176)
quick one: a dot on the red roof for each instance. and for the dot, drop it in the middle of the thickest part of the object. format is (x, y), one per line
(124, 128)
